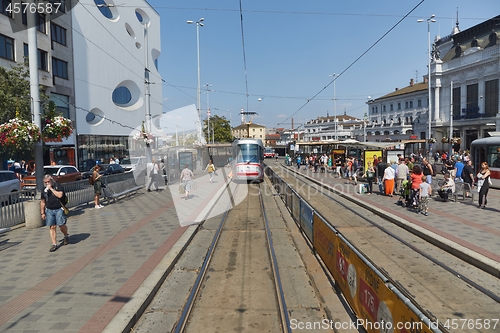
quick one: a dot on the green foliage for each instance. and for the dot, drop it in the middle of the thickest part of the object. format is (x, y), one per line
(15, 97)
(221, 130)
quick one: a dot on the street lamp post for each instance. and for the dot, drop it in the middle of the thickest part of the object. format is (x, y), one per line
(199, 24)
(335, 104)
(429, 20)
(208, 111)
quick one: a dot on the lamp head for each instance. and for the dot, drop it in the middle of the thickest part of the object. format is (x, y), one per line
(420, 20)
(189, 22)
(202, 19)
(433, 20)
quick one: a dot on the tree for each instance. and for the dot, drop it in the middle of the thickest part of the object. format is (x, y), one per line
(221, 130)
(15, 101)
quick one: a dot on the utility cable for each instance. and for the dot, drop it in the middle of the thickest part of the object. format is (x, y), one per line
(352, 63)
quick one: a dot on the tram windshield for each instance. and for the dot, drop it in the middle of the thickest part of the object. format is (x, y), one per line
(493, 156)
(248, 153)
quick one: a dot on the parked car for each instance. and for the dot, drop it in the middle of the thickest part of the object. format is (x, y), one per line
(9, 182)
(106, 169)
(134, 163)
(60, 173)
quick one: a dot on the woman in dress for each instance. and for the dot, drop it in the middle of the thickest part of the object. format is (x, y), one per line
(186, 177)
(483, 183)
(96, 176)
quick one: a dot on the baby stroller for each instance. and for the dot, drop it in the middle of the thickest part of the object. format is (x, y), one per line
(404, 194)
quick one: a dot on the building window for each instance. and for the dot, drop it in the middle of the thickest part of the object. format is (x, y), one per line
(472, 96)
(383, 108)
(376, 109)
(43, 58)
(40, 23)
(491, 98)
(59, 68)
(456, 103)
(62, 104)
(391, 107)
(6, 47)
(121, 96)
(57, 34)
(104, 8)
(399, 106)
(411, 104)
(406, 105)
(419, 103)
(3, 8)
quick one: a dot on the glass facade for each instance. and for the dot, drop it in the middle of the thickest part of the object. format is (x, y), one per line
(92, 148)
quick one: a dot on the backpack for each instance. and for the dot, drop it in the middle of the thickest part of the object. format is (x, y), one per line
(64, 199)
(91, 180)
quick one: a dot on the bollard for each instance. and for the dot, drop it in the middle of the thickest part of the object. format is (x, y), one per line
(32, 216)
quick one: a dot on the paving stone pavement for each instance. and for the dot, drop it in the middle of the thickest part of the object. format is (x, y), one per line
(82, 286)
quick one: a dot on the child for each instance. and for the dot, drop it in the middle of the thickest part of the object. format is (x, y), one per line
(425, 193)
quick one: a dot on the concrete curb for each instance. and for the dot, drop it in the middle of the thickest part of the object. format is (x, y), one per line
(129, 314)
(478, 260)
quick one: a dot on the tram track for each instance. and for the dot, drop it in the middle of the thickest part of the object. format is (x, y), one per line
(238, 285)
(358, 222)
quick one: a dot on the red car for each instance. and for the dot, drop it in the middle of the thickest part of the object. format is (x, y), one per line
(60, 173)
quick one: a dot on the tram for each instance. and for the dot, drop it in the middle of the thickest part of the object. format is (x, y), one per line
(269, 153)
(488, 150)
(248, 160)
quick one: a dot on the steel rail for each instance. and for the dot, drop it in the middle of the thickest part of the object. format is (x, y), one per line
(478, 287)
(188, 306)
(285, 319)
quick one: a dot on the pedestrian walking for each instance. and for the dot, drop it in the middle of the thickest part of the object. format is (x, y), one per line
(187, 177)
(483, 184)
(154, 172)
(52, 211)
(210, 168)
(97, 181)
(370, 176)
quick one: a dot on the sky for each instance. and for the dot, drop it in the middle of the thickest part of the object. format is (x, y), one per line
(277, 58)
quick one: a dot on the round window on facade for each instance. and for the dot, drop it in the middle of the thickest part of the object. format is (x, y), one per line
(107, 8)
(142, 17)
(122, 96)
(127, 95)
(95, 117)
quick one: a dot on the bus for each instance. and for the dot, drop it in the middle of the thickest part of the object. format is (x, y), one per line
(488, 150)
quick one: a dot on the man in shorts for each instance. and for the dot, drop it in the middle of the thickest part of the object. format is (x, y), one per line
(52, 212)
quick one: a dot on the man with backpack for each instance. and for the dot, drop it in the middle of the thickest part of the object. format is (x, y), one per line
(51, 205)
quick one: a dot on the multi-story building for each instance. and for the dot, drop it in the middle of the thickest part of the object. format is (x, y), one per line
(55, 62)
(328, 128)
(98, 61)
(465, 83)
(117, 83)
(399, 115)
(249, 130)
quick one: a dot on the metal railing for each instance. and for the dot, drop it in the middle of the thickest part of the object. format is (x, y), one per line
(12, 210)
(12, 207)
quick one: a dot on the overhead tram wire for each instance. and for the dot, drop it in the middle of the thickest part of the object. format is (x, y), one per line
(355, 61)
(244, 53)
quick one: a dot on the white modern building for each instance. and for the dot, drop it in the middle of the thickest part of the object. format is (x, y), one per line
(117, 83)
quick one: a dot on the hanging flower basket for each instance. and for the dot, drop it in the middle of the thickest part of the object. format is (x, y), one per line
(56, 128)
(143, 138)
(444, 140)
(431, 140)
(456, 141)
(18, 133)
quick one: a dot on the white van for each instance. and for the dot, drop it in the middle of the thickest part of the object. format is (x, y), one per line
(134, 163)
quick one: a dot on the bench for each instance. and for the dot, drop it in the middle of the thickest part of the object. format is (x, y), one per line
(113, 191)
(461, 189)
